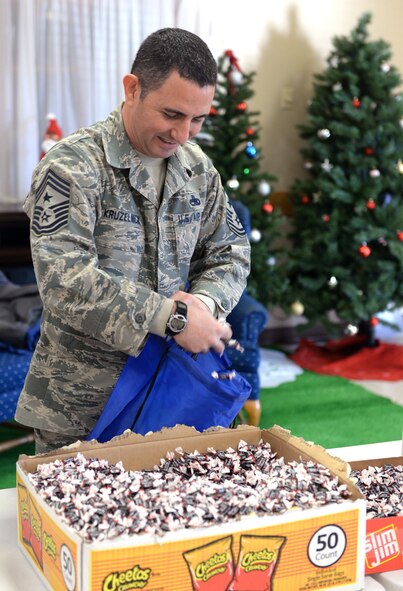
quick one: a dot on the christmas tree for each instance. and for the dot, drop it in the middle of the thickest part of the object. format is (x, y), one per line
(230, 138)
(347, 237)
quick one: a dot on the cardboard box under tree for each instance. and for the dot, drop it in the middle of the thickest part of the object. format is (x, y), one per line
(384, 535)
(323, 547)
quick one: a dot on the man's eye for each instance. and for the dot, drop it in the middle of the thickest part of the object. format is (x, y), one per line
(171, 115)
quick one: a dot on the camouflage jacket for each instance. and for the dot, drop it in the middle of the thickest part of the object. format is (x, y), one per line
(107, 253)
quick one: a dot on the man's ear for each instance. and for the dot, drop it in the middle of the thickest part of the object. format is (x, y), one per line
(131, 85)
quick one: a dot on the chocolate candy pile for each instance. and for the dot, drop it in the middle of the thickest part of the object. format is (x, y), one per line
(101, 500)
(382, 487)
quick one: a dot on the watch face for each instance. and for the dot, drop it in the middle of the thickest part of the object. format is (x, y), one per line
(177, 322)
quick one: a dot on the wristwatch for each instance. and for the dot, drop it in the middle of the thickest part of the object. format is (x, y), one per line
(178, 320)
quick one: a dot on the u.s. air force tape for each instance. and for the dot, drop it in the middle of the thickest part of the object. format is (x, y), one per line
(51, 205)
(233, 221)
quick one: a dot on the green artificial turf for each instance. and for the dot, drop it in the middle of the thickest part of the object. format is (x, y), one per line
(331, 411)
(9, 457)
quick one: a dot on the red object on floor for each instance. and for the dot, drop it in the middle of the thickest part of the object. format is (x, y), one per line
(348, 358)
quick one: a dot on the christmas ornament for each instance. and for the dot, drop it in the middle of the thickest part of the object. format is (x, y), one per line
(305, 199)
(364, 250)
(351, 329)
(255, 235)
(246, 171)
(264, 188)
(401, 122)
(387, 199)
(308, 165)
(271, 261)
(297, 308)
(368, 151)
(267, 207)
(323, 134)
(382, 241)
(326, 165)
(235, 77)
(334, 61)
(374, 173)
(373, 321)
(356, 102)
(337, 87)
(371, 204)
(250, 150)
(332, 282)
(233, 183)
(250, 131)
(52, 134)
(399, 166)
(233, 60)
(399, 235)
(213, 112)
(385, 67)
(326, 217)
(241, 106)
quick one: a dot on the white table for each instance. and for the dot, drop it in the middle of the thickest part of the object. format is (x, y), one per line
(16, 574)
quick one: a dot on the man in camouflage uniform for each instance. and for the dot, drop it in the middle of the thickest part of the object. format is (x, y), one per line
(125, 216)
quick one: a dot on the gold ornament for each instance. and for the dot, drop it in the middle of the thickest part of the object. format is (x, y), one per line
(297, 308)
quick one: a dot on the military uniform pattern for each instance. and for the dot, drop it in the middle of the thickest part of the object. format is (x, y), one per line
(107, 253)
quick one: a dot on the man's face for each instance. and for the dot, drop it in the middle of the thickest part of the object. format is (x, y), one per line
(167, 117)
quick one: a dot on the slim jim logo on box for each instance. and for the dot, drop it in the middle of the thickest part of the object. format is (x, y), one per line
(383, 549)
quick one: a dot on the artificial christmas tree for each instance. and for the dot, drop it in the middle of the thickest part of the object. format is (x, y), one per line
(230, 138)
(347, 242)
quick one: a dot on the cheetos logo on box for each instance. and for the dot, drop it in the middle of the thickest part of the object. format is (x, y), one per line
(381, 546)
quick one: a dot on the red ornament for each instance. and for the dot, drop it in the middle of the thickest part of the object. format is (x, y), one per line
(250, 131)
(364, 250)
(371, 204)
(368, 151)
(213, 112)
(326, 217)
(399, 235)
(305, 199)
(267, 207)
(356, 102)
(373, 321)
(242, 106)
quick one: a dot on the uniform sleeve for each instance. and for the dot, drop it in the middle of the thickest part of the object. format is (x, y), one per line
(221, 263)
(63, 205)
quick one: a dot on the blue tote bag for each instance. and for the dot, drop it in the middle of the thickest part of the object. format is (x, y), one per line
(165, 386)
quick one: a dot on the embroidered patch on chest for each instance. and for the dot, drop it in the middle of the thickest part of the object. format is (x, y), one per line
(51, 211)
(233, 222)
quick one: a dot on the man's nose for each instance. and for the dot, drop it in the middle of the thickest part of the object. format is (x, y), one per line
(181, 131)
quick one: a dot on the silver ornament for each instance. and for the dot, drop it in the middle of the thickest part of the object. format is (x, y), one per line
(332, 282)
(374, 173)
(337, 87)
(271, 261)
(255, 235)
(233, 183)
(323, 134)
(236, 77)
(326, 165)
(351, 329)
(264, 188)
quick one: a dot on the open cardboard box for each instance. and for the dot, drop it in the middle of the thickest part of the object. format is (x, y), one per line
(323, 548)
(384, 535)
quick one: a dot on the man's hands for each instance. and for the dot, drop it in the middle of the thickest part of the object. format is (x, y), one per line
(203, 331)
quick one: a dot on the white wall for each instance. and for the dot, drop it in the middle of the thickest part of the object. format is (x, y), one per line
(285, 42)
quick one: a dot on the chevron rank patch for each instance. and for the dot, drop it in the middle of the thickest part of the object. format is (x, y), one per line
(51, 205)
(233, 221)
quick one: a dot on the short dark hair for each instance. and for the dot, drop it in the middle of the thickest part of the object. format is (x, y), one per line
(173, 49)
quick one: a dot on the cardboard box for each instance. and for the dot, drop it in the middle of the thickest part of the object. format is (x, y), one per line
(322, 548)
(384, 535)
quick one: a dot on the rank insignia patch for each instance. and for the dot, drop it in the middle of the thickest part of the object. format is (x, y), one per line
(51, 205)
(233, 221)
